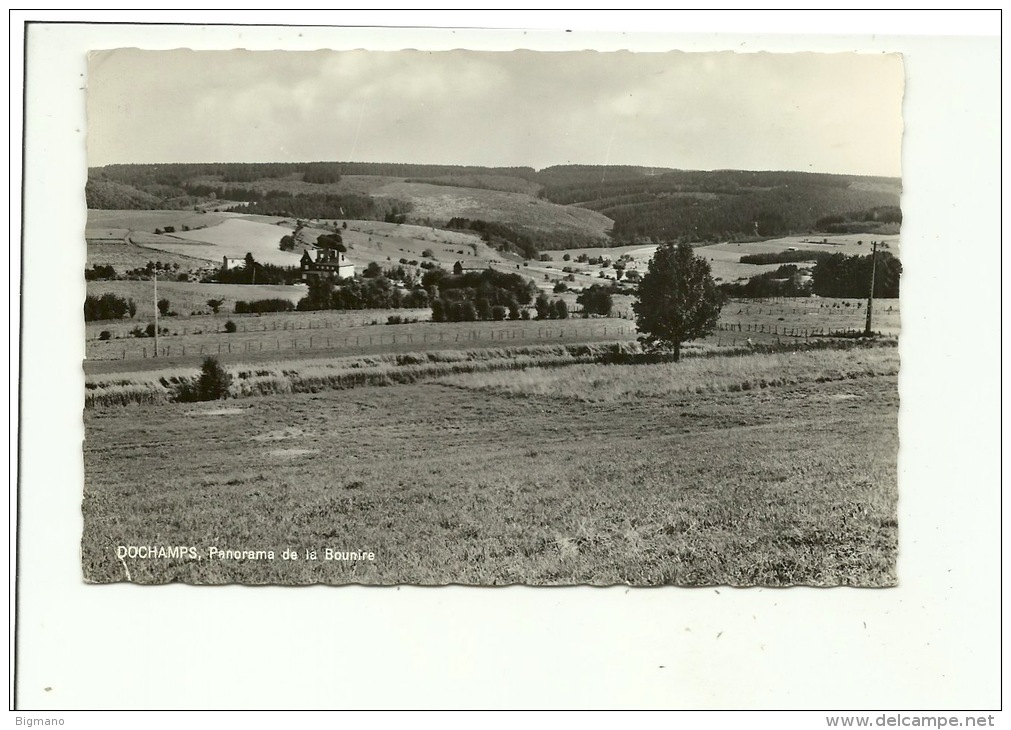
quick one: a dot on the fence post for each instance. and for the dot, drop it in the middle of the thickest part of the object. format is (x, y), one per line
(145, 353)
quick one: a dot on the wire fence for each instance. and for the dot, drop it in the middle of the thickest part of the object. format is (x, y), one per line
(372, 331)
(116, 350)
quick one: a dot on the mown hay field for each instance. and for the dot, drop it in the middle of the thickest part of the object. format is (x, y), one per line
(124, 251)
(100, 221)
(790, 480)
(442, 202)
(235, 238)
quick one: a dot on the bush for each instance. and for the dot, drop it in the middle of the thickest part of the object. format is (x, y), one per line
(213, 383)
(596, 300)
(107, 306)
(105, 335)
(259, 306)
(230, 327)
(99, 272)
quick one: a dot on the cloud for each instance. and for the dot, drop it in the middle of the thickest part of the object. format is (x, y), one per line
(830, 112)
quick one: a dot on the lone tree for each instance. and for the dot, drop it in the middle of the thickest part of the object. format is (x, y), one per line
(678, 299)
(214, 380)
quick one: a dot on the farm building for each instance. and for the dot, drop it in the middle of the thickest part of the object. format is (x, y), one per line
(459, 268)
(233, 262)
(329, 263)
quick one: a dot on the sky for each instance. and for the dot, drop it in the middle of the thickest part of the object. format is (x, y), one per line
(833, 112)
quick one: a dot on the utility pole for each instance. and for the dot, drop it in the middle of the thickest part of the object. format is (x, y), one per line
(870, 295)
(156, 314)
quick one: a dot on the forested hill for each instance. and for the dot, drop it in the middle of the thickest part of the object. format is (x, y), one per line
(645, 204)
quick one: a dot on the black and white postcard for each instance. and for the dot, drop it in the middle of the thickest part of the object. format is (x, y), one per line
(489, 318)
(421, 309)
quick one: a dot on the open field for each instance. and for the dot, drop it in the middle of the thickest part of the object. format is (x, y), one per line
(285, 337)
(214, 235)
(387, 243)
(187, 298)
(811, 314)
(124, 254)
(788, 480)
(724, 258)
(148, 220)
(442, 202)
(612, 383)
(234, 237)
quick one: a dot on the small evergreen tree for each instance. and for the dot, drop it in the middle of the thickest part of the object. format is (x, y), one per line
(213, 383)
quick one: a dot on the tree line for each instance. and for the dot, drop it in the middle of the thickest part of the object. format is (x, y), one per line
(324, 205)
(253, 272)
(834, 275)
(108, 306)
(844, 276)
(373, 293)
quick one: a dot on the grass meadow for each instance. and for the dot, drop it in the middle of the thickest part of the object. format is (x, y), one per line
(652, 474)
